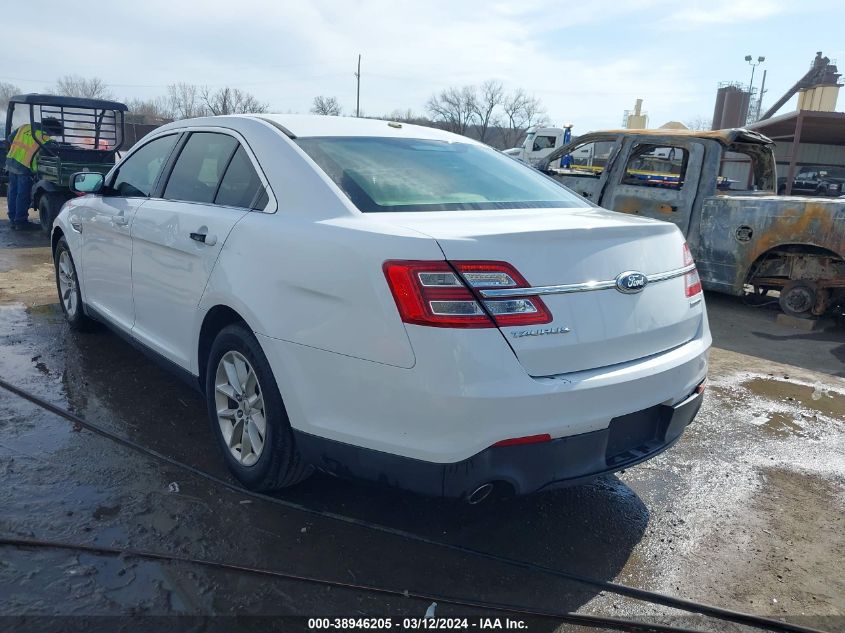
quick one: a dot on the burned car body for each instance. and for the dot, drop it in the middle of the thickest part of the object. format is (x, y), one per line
(718, 187)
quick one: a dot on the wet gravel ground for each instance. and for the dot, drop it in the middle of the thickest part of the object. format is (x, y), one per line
(746, 511)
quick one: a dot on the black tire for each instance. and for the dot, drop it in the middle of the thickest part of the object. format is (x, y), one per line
(797, 298)
(76, 317)
(49, 206)
(280, 465)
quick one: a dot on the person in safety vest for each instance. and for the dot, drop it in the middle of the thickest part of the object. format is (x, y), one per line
(22, 163)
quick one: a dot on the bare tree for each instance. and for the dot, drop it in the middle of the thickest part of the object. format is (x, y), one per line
(534, 112)
(488, 100)
(402, 115)
(185, 101)
(513, 108)
(521, 112)
(7, 91)
(77, 86)
(699, 123)
(454, 107)
(157, 108)
(231, 101)
(326, 105)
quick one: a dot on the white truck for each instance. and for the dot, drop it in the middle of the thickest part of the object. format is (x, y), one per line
(539, 143)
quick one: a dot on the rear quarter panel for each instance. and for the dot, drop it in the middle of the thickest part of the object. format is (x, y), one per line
(318, 283)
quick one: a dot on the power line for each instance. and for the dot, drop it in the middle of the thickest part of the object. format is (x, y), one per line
(165, 85)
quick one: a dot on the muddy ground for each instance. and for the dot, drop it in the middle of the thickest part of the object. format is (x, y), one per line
(746, 511)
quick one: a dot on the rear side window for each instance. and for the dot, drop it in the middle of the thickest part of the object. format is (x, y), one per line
(656, 166)
(587, 160)
(137, 175)
(737, 172)
(200, 167)
(241, 186)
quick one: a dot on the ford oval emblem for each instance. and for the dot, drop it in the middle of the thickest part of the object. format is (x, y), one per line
(631, 282)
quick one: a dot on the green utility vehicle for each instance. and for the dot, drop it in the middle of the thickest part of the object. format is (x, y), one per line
(86, 135)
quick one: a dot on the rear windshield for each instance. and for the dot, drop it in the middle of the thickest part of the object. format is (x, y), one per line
(398, 174)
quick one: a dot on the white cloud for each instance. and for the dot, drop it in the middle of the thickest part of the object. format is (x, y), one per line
(586, 61)
(696, 13)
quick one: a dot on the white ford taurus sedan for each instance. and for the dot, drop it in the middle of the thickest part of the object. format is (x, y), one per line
(389, 302)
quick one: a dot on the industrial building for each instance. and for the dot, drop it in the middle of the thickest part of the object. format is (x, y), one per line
(811, 136)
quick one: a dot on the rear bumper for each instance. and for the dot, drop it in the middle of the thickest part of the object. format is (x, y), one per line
(628, 440)
(466, 393)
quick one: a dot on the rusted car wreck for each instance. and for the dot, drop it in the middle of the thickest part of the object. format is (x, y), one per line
(719, 188)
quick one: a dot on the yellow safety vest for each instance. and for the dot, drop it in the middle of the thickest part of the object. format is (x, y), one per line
(24, 147)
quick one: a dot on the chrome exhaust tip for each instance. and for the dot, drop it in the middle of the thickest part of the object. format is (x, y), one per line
(479, 494)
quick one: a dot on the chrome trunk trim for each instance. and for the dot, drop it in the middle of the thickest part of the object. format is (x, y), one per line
(582, 287)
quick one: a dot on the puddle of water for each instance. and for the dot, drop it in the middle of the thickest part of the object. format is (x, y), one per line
(783, 407)
(25, 258)
(47, 309)
(779, 423)
(818, 398)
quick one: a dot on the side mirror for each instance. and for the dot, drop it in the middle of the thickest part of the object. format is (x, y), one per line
(86, 182)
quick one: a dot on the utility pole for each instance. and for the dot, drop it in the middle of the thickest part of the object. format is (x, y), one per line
(358, 98)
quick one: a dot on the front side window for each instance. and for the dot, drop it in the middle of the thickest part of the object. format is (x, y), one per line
(402, 174)
(544, 142)
(137, 175)
(656, 166)
(200, 166)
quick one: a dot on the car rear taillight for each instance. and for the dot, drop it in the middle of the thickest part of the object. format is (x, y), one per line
(691, 280)
(444, 294)
(482, 275)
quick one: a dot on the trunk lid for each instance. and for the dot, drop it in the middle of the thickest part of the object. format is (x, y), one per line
(553, 247)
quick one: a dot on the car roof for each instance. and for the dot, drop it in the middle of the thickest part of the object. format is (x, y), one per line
(311, 125)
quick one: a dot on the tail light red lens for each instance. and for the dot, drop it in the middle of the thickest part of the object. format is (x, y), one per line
(528, 439)
(430, 293)
(443, 294)
(691, 279)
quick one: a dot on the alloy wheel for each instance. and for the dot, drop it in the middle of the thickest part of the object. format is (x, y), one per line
(67, 284)
(240, 408)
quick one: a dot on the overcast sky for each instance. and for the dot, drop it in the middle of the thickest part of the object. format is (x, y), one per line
(587, 61)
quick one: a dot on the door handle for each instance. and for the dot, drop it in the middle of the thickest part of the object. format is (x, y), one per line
(120, 220)
(204, 238)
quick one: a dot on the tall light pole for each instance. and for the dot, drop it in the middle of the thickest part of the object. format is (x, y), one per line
(753, 65)
(750, 114)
